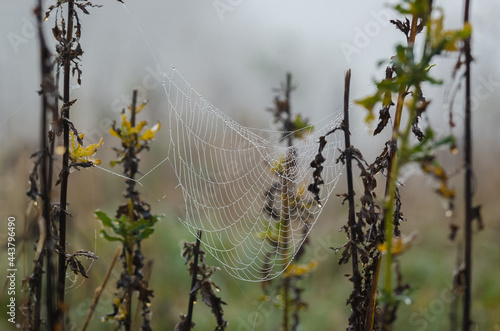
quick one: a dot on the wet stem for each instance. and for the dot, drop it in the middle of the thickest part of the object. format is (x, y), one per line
(390, 193)
(395, 166)
(129, 243)
(65, 169)
(389, 216)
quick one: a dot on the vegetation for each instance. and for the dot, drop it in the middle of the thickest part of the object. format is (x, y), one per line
(280, 198)
(132, 223)
(382, 270)
(376, 234)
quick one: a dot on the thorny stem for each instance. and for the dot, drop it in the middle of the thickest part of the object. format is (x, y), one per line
(65, 169)
(45, 181)
(466, 322)
(192, 294)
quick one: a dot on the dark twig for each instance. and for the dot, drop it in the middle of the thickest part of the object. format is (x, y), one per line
(202, 285)
(61, 279)
(47, 86)
(468, 179)
(194, 268)
(287, 191)
(357, 321)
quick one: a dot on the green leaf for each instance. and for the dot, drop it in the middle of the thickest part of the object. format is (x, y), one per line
(110, 238)
(140, 225)
(301, 126)
(144, 234)
(106, 221)
(368, 103)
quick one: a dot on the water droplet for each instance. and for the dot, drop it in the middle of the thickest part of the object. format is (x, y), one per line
(448, 213)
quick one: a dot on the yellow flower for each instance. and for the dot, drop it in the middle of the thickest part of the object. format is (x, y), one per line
(82, 155)
(150, 133)
(127, 133)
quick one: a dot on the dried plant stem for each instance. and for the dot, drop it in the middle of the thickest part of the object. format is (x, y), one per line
(128, 247)
(99, 290)
(192, 293)
(466, 322)
(287, 193)
(285, 223)
(350, 198)
(61, 279)
(45, 179)
(148, 270)
(285, 210)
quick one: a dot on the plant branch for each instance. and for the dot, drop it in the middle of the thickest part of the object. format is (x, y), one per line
(147, 270)
(390, 193)
(287, 190)
(394, 167)
(61, 279)
(356, 279)
(192, 292)
(46, 187)
(131, 195)
(466, 322)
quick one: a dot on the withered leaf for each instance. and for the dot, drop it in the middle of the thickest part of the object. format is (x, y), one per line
(476, 215)
(384, 117)
(183, 324)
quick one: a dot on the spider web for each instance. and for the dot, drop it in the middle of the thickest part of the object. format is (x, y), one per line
(242, 187)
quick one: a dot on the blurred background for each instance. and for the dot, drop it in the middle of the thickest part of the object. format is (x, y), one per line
(234, 53)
